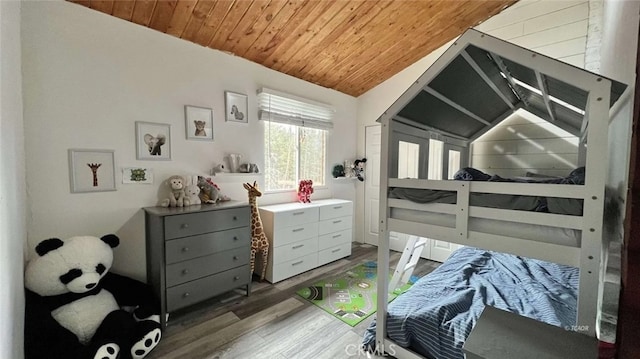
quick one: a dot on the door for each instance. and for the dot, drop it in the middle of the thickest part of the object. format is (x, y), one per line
(444, 161)
(373, 142)
(412, 150)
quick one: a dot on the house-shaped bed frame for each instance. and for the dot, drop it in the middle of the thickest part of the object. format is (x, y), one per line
(478, 82)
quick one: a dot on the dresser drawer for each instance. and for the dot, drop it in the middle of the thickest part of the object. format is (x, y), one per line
(182, 272)
(198, 290)
(184, 225)
(286, 235)
(295, 217)
(295, 250)
(289, 269)
(335, 225)
(182, 249)
(333, 239)
(336, 210)
(334, 253)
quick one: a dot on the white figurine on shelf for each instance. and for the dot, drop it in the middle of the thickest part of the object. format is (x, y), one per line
(218, 169)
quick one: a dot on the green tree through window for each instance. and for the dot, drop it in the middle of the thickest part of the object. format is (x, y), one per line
(293, 153)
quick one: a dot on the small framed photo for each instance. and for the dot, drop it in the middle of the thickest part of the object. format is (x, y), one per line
(198, 123)
(153, 141)
(91, 170)
(236, 107)
(137, 175)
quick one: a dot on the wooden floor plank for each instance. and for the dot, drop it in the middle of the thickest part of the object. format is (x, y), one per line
(207, 346)
(245, 346)
(273, 322)
(174, 336)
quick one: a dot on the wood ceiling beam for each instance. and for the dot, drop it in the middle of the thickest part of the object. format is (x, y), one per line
(474, 65)
(545, 96)
(455, 105)
(507, 75)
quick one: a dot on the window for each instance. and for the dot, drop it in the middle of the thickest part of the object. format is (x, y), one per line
(435, 159)
(295, 139)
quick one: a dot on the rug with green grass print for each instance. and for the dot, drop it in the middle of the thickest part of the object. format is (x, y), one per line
(350, 296)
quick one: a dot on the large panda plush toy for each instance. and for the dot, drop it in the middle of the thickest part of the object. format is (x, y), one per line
(76, 308)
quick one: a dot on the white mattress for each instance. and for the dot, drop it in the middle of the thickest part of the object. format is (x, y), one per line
(547, 234)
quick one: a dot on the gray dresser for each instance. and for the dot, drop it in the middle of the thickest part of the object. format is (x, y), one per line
(197, 252)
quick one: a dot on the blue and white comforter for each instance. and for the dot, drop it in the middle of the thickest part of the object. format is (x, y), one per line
(437, 314)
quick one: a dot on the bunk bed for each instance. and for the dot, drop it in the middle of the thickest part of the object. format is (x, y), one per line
(477, 83)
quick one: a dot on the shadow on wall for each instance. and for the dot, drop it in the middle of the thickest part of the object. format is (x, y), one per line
(130, 258)
(521, 144)
(614, 210)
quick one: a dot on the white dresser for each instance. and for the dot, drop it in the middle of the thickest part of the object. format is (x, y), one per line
(304, 236)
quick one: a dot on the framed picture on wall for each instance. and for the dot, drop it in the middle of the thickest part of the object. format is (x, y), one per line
(153, 141)
(198, 123)
(91, 170)
(137, 175)
(236, 107)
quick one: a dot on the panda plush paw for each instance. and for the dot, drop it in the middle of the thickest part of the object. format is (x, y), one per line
(107, 351)
(141, 348)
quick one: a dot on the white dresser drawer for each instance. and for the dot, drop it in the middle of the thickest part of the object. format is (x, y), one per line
(290, 268)
(295, 217)
(335, 225)
(333, 239)
(295, 250)
(286, 235)
(334, 253)
(336, 210)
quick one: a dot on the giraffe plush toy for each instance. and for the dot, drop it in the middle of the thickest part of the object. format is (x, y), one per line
(259, 241)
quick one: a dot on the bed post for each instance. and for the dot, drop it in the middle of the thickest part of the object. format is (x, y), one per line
(383, 239)
(591, 252)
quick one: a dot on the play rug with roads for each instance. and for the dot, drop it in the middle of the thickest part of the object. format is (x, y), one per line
(351, 296)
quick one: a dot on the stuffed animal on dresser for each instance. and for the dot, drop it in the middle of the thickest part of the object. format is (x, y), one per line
(177, 195)
(75, 307)
(192, 195)
(209, 191)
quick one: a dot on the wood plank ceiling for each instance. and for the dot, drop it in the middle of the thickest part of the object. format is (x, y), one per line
(347, 45)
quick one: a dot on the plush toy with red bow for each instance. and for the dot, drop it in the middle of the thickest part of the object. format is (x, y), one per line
(305, 189)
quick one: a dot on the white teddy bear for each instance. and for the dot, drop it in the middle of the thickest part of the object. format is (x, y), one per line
(192, 193)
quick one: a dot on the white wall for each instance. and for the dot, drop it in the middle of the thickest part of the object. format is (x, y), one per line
(12, 186)
(88, 77)
(525, 143)
(555, 28)
(618, 61)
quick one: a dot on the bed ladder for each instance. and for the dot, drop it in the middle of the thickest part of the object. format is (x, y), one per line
(408, 262)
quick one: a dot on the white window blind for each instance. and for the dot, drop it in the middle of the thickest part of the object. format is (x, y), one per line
(289, 109)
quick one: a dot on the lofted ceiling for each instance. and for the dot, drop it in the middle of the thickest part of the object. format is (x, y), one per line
(350, 46)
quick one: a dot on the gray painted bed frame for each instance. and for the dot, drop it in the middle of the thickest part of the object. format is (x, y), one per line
(589, 257)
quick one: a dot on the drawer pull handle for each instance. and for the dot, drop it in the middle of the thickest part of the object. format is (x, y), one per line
(298, 246)
(235, 258)
(298, 213)
(298, 230)
(235, 218)
(336, 222)
(185, 271)
(185, 295)
(296, 263)
(236, 278)
(335, 250)
(337, 207)
(184, 226)
(185, 249)
(235, 238)
(337, 236)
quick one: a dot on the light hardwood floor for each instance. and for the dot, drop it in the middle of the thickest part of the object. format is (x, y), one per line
(272, 323)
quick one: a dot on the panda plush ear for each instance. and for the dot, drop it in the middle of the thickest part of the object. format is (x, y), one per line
(48, 245)
(111, 239)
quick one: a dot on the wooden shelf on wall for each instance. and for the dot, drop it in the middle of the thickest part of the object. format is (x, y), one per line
(235, 177)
